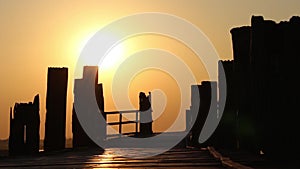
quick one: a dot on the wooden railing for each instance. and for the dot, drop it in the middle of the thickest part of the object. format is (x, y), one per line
(120, 122)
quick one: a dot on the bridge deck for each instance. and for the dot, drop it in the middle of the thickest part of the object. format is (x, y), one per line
(87, 158)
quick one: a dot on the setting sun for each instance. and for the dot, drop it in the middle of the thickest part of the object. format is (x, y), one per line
(36, 35)
(113, 57)
(149, 84)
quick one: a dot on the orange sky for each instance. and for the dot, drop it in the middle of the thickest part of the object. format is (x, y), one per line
(38, 34)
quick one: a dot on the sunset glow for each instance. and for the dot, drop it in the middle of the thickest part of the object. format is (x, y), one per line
(36, 35)
(113, 57)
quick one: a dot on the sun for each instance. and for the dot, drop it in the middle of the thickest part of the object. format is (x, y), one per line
(113, 57)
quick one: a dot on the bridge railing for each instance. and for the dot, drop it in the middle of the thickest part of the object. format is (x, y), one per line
(121, 122)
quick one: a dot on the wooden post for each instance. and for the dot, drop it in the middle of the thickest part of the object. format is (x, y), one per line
(120, 123)
(136, 121)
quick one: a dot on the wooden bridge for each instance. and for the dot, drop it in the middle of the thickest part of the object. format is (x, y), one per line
(91, 158)
(187, 158)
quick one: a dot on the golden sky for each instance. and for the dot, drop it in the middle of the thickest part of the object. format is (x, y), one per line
(38, 34)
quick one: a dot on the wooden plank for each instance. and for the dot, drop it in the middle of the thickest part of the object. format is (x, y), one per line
(120, 124)
(90, 158)
(121, 112)
(123, 122)
(136, 119)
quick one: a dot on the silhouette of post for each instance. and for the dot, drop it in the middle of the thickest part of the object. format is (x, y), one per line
(192, 113)
(24, 135)
(80, 138)
(204, 105)
(226, 132)
(145, 114)
(248, 137)
(275, 56)
(55, 126)
(266, 57)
